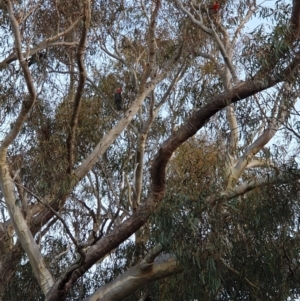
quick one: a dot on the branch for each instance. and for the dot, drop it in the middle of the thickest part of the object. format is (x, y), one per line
(293, 131)
(151, 45)
(56, 214)
(242, 24)
(244, 188)
(234, 132)
(237, 273)
(196, 22)
(178, 76)
(27, 104)
(143, 135)
(28, 243)
(42, 45)
(123, 231)
(263, 139)
(226, 57)
(80, 87)
(260, 163)
(137, 277)
(25, 237)
(112, 135)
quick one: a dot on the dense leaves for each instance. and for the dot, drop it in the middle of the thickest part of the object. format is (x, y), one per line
(189, 190)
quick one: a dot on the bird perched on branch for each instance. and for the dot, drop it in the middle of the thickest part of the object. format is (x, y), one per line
(35, 58)
(118, 99)
(211, 9)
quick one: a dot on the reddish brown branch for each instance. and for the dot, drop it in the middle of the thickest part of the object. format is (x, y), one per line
(122, 232)
(295, 20)
(82, 78)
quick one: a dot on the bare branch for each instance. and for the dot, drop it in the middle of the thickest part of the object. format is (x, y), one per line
(108, 139)
(264, 138)
(242, 24)
(196, 22)
(237, 273)
(80, 87)
(234, 131)
(42, 45)
(58, 216)
(151, 44)
(28, 103)
(226, 57)
(137, 277)
(244, 188)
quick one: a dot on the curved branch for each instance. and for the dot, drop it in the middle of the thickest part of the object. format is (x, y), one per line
(123, 231)
(80, 87)
(262, 140)
(27, 105)
(42, 45)
(196, 22)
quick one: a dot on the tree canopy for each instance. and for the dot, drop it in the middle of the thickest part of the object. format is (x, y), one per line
(149, 150)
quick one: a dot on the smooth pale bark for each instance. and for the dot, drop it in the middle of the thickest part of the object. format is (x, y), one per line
(244, 188)
(234, 132)
(112, 135)
(20, 225)
(123, 231)
(135, 278)
(245, 161)
(23, 232)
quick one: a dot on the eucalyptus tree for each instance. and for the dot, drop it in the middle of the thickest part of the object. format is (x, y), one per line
(97, 202)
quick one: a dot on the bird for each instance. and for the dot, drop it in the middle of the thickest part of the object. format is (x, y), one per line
(118, 99)
(214, 8)
(211, 9)
(35, 58)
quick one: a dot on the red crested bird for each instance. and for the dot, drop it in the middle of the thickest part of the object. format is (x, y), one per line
(212, 8)
(215, 6)
(118, 99)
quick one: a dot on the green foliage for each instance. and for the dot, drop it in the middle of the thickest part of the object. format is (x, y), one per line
(236, 250)
(23, 285)
(241, 247)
